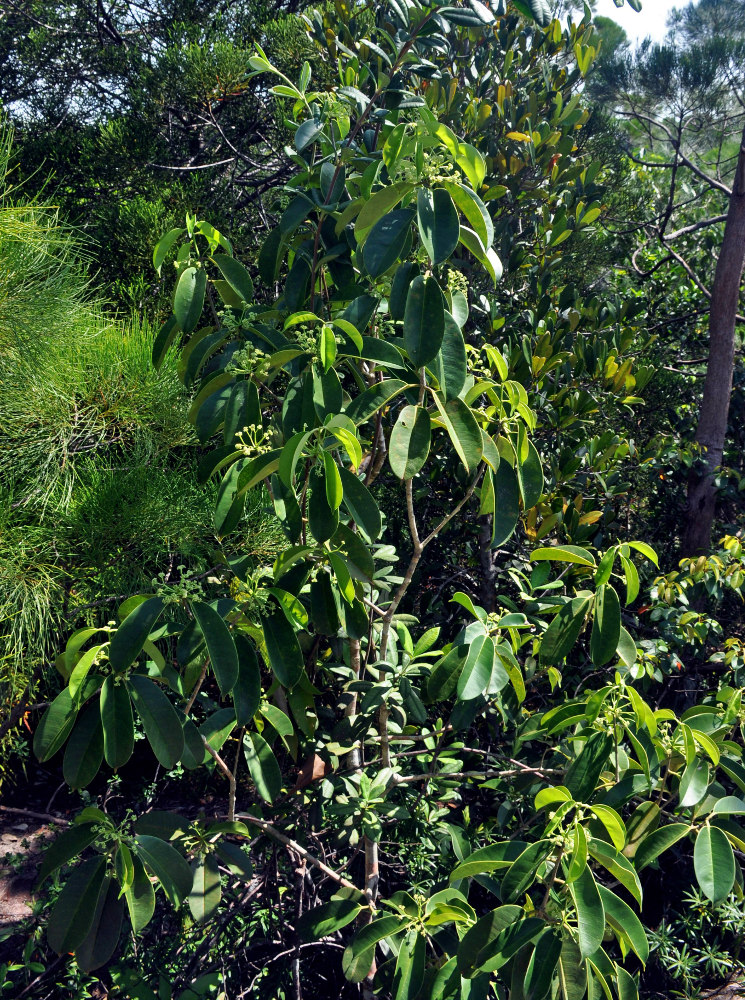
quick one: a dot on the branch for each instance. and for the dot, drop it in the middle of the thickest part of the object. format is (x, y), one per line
(280, 837)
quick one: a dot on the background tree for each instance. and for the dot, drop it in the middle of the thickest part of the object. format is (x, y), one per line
(684, 104)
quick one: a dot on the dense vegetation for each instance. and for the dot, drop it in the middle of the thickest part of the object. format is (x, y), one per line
(365, 417)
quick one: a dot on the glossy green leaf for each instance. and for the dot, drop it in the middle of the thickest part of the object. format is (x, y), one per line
(582, 776)
(236, 276)
(206, 892)
(714, 863)
(606, 626)
(694, 783)
(402, 279)
(543, 962)
(476, 674)
(463, 431)
(506, 504)
(159, 720)
(68, 845)
(247, 688)
(451, 366)
(380, 204)
(409, 442)
(220, 645)
(563, 553)
(188, 299)
(359, 955)
(590, 913)
(118, 726)
(140, 897)
(322, 518)
(625, 922)
(530, 478)
(424, 320)
(408, 974)
(103, 937)
(263, 766)
(475, 211)
(164, 338)
(523, 871)
(359, 502)
(438, 224)
(327, 918)
(129, 638)
(72, 915)
(386, 241)
(334, 491)
(564, 630)
(367, 404)
(84, 751)
(168, 866)
(658, 842)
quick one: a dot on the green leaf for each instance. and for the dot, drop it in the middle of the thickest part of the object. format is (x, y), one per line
(543, 962)
(408, 974)
(84, 751)
(572, 980)
(103, 937)
(165, 862)
(73, 913)
(658, 842)
(564, 630)
(380, 204)
(613, 824)
(334, 491)
(409, 442)
(424, 320)
(694, 783)
(625, 922)
(373, 399)
(386, 241)
(530, 477)
(506, 504)
(476, 674)
(163, 340)
(438, 223)
(590, 913)
(68, 845)
(472, 207)
(206, 892)
(402, 279)
(450, 367)
(247, 688)
(188, 298)
(236, 859)
(220, 645)
(471, 162)
(714, 863)
(116, 719)
(606, 626)
(730, 805)
(129, 638)
(358, 956)
(618, 865)
(626, 984)
(263, 766)
(583, 773)
(489, 859)
(140, 897)
(163, 246)
(564, 553)
(444, 677)
(327, 918)
(360, 504)
(159, 720)
(523, 871)
(463, 430)
(236, 276)
(322, 518)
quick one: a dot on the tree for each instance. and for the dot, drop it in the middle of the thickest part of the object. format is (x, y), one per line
(684, 101)
(311, 670)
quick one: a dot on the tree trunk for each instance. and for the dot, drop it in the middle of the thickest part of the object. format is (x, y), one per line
(712, 422)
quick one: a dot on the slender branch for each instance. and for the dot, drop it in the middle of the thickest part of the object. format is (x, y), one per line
(47, 817)
(228, 774)
(197, 686)
(281, 838)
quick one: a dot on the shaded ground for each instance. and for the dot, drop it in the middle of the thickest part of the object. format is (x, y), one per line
(22, 839)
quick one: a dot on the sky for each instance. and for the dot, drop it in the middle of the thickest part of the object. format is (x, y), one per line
(649, 21)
